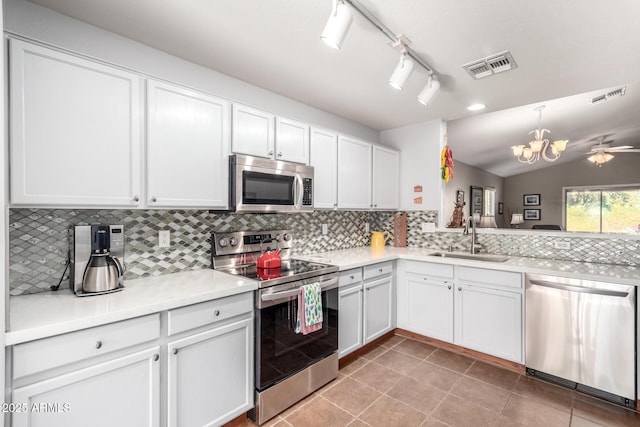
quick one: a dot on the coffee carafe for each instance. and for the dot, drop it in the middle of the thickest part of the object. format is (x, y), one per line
(98, 259)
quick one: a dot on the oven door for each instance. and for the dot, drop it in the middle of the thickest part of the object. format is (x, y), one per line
(262, 185)
(280, 351)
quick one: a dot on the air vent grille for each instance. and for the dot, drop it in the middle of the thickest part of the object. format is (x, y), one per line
(606, 96)
(494, 64)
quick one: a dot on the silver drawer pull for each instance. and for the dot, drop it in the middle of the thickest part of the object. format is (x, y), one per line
(99, 345)
(175, 351)
(216, 313)
(449, 287)
(156, 357)
(136, 198)
(380, 270)
(352, 277)
(459, 288)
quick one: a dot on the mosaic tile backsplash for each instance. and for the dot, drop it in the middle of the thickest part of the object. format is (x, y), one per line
(39, 239)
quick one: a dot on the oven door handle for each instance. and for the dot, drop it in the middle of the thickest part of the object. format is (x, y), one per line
(324, 286)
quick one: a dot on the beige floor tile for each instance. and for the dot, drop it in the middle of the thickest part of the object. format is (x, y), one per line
(388, 412)
(447, 359)
(533, 413)
(357, 423)
(435, 375)
(319, 413)
(417, 395)
(376, 376)
(457, 412)
(481, 393)
(354, 366)
(393, 341)
(577, 421)
(352, 396)
(415, 348)
(493, 375)
(433, 422)
(549, 394)
(398, 362)
(605, 413)
(376, 352)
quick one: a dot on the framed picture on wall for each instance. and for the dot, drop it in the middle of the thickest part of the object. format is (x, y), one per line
(531, 200)
(500, 208)
(532, 215)
(460, 197)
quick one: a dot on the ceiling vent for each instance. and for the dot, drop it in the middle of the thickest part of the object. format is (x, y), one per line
(494, 64)
(606, 96)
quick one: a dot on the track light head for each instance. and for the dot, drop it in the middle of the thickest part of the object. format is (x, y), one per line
(402, 72)
(337, 25)
(430, 91)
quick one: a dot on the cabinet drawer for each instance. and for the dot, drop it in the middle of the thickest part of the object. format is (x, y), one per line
(48, 353)
(193, 316)
(349, 277)
(429, 269)
(490, 277)
(375, 270)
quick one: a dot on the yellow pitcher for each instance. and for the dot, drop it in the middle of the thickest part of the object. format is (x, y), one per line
(379, 238)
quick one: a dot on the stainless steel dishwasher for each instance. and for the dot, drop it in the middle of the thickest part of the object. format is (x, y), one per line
(582, 334)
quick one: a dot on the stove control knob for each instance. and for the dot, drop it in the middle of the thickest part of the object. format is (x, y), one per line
(223, 242)
(278, 237)
(287, 237)
(233, 241)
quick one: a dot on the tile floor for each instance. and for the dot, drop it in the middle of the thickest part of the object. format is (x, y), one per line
(404, 382)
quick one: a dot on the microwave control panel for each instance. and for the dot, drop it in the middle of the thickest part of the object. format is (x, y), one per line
(307, 191)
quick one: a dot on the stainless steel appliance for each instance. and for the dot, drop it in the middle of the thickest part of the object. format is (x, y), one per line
(97, 259)
(263, 185)
(582, 334)
(288, 366)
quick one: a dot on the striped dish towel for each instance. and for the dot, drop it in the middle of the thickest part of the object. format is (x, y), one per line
(309, 309)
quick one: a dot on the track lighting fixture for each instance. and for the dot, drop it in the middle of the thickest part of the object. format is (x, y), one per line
(402, 72)
(336, 30)
(337, 25)
(429, 92)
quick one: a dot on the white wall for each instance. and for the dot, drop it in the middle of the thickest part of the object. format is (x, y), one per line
(4, 231)
(420, 147)
(42, 24)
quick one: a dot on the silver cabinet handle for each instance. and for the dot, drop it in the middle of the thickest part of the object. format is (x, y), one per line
(459, 288)
(99, 345)
(153, 199)
(380, 270)
(449, 287)
(136, 198)
(270, 153)
(280, 154)
(156, 357)
(352, 277)
(216, 313)
(175, 351)
(579, 289)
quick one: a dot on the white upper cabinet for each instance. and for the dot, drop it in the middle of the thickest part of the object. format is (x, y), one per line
(324, 159)
(292, 141)
(188, 141)
(253, 132)
(74, 130)
(354, 173)
(386, 178)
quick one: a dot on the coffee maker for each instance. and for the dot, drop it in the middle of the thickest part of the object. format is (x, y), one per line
(97, 259)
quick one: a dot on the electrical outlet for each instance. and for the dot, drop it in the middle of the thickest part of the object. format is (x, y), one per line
(428, 227)
(164, 238)
(562, 245)
(325, 229)
(366, 227)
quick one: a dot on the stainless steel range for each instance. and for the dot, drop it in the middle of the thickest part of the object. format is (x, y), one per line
(288, 365)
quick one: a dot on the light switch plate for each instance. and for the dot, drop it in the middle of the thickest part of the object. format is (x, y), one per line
(325, 229)
(164, 238)
(366, 227)
(428, 227)
(562, 245)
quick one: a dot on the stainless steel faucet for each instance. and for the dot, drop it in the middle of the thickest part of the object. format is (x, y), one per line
(475, 246)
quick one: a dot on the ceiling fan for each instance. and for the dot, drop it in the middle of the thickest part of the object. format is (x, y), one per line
(602, 151)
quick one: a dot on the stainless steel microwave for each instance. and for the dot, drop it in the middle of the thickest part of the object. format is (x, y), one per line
(263, 185)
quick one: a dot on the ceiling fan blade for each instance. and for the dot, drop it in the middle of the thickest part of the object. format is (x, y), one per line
(620, 148)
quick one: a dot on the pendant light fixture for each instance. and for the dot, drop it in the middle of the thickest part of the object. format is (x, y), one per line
(430, 91)
(402, 72)
(338, 25)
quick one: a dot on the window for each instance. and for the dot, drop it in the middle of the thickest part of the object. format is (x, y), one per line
(612, 209)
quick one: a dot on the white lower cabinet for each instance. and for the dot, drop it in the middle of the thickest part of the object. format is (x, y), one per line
(476, 308)
(367, 306)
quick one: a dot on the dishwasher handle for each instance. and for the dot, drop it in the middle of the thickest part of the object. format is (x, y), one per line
(580, 289)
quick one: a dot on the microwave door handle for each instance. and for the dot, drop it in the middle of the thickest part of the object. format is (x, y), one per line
(298, 193)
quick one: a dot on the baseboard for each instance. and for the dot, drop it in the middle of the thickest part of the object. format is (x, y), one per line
(506, 364)
(239, 420)
(344, 361)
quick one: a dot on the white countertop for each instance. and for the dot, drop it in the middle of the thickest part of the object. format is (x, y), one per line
(52, 313)
(357, 257)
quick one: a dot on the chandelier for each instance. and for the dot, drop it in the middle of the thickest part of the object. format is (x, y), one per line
(540, 147)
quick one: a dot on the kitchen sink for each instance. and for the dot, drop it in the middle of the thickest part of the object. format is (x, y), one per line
(475, 257)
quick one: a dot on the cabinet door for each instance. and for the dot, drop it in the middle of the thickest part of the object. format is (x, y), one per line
(188, 147)
(386, 178)
(253, 131)
(121, 392)
(354, 174)
(489, 321)
(350, 320)
(377, 308)
(292, 141)
(324, 159)
(429, 306)
(210, 377)
(74, 130)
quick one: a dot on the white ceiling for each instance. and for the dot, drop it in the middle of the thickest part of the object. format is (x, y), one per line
(562, 48)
